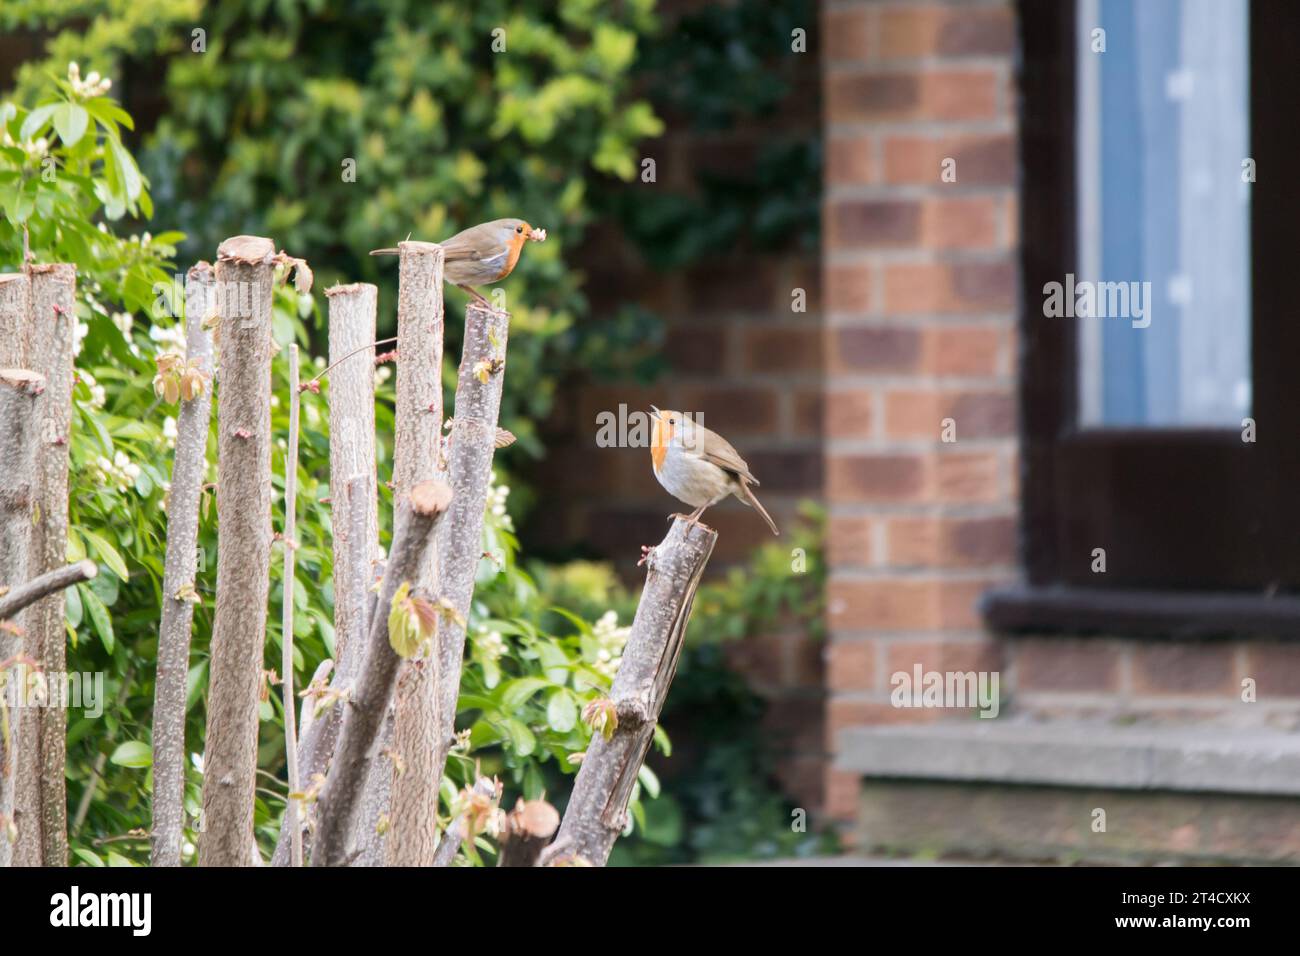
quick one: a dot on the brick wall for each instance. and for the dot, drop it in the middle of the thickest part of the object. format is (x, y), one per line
(919, 276)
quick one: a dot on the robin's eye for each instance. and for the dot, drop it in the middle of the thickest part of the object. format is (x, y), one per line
(672, 421)
(519, 228)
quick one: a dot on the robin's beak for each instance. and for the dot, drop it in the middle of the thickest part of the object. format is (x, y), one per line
(654, 411)
(536, 235)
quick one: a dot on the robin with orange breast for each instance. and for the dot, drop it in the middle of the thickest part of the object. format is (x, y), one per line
(482, 254)
(699, 466)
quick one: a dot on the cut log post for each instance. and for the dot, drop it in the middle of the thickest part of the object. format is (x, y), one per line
(293, 805)
(189, 468)
(15, 599)
(19, 437)
(460, 539)
(528, 829)
(245, 269)
(415, 781)
(51, 344)
(417, 516)
(15, 301)
(352, 456)
(354, 505)
(597, 810)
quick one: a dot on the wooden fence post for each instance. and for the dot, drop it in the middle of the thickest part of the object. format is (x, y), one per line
(52, 337)
(460, 540)
(245, 269)
(414, 780)
(189, 467)
(19, 435)
(597, 809)
(417, 515)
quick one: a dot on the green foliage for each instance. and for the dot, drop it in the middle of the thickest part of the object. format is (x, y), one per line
(337, 128)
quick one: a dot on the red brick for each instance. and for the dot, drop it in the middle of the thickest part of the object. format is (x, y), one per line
(849, 413)
(774, 349)
(733, 410)
(942, 656)
(851, 665)
(842, 790)
(972, 350)
(934, 94)
(859, 223)
(876, 478)
(960, 223)
(848, 289)
(808, 413)
(694, 350)
(1184, 669)
(981, 160)
(931, 30)
(950, 542)
(847, 34)
(1275, 668)
(759, 658)
(874, 348)
(849, 160)
(849, 541)
(959, 287)
(920, 413)
(1068, 666)
(963, 477)
(903, 604)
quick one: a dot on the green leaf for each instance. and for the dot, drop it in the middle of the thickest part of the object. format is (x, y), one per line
(110, 114)
(133, 753)
(107, 553)
(562, 712)
(522, 741)
(516, 693)
(127, 171)
(36, 120)
(99, 617)
(87, 856)
(648, 780)
(70, 122)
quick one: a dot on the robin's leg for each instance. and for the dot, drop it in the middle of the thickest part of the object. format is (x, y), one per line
(475, 295)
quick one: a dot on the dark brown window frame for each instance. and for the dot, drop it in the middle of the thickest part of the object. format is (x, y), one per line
(1201, 529)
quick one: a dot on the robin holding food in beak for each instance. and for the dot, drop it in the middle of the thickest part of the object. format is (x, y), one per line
(482, 254)
(699, 466)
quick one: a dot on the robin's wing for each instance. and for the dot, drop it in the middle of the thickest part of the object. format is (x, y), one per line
(477, 242)
(718, 450)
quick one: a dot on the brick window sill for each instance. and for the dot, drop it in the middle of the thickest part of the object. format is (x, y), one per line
(1130, 613)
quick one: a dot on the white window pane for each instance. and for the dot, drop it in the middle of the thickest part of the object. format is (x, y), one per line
(1163, 288)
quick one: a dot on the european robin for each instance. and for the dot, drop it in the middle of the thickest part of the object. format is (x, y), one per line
(699, 466)
(482, 254)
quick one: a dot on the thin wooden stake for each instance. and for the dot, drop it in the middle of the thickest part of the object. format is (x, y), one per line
(286, 620)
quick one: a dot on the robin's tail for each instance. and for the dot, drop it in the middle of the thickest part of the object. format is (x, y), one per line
(749, 498)
(383, 252)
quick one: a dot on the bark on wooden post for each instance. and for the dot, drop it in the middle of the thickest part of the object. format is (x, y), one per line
(460, 539)
(597, 810)
(359, 741)
(244, 276)
(352, 455)
(15, 300)
(354, 505)
(42, 731)
(413, 801)
(19, 436)
(189, 468)
(290, 542)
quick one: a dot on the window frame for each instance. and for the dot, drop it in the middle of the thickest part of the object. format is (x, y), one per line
(1201, 530)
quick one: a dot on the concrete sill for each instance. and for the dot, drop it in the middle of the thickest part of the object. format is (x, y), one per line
(1070, 754)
